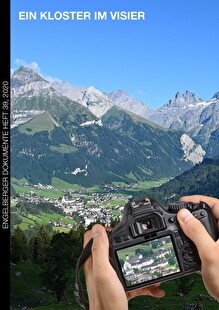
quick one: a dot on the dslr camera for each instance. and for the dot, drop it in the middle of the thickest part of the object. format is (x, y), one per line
(148, 245)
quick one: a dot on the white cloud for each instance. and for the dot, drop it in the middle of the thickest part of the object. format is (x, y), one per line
(34, 65)
(36, 68)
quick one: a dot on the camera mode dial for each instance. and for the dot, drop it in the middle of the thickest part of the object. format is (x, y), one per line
(176, 206)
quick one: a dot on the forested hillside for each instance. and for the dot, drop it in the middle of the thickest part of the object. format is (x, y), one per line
(202, 179)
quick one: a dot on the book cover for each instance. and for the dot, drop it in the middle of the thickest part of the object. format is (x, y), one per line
(107, 101)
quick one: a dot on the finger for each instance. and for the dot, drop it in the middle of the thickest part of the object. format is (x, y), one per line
(88, 263)
(152, 290)
(198, 198)
(156, 291)
(194, 229)
(87, 237)
(211, 201)
(100, 247)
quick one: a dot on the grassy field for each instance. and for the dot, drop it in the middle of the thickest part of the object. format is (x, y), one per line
(60, 185)
(26, 291)
(43, 219)
(41, 122)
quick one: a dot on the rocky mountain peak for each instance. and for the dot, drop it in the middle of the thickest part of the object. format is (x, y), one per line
(25, 75)
(216, 95)
(96, 101)
(26, 81)
(126, 101)
(119, 95)
(92, 93)
(183, 100)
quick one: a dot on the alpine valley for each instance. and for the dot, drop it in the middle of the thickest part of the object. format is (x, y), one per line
(87, 137)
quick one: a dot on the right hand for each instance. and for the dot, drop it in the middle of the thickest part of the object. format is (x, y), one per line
(208, 249)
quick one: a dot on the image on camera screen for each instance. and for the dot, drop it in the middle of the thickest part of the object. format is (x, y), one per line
(148, 261)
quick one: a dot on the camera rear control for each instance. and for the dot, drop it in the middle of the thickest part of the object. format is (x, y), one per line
(186, 267)
(126, 237)
(178, 239)
(200, 215)
(189, 254)
(118, 239)
(171, 220)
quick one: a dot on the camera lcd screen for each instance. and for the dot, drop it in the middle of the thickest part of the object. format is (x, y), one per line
(148, 261)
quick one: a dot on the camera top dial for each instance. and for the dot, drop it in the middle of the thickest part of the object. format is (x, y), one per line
(176, 206)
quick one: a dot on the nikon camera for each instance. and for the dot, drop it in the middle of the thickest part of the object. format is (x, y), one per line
(148, 245)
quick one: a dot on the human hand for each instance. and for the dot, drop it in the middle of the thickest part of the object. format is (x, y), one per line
(105, 291)
(208, 249)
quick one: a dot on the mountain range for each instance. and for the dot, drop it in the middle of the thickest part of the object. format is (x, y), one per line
(186, 112)
(84, 136)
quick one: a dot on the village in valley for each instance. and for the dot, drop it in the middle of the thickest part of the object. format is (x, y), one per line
(104, 206)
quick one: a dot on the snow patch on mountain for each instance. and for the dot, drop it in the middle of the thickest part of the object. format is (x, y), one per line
(94, 122)
(192, 151)
(79, 170)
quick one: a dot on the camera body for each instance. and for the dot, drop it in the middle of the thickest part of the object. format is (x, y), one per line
(148, 245)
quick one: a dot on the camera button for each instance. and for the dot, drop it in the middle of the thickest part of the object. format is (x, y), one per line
(171, 219)
(191, 259)
(184, 256)
(126, 237)
(179, 242)
(186, 267)
(118, 239)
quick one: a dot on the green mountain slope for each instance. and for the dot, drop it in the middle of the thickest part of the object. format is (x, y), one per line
(202, 179)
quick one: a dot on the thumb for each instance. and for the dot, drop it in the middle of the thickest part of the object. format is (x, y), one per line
(196, 231)
(100, 247)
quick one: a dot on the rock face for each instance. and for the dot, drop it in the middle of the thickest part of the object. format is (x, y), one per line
(198, 118)
(125, 101)
(192, 151)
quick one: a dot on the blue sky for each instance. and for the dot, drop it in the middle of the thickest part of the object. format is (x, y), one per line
(176, 47)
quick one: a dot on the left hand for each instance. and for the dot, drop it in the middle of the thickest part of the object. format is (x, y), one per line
(105, 290)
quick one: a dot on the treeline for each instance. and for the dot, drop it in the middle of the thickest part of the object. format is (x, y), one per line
(55, 254)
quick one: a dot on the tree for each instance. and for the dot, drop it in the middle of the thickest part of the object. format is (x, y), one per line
(19, 246)
(60, 261)
(40, 244)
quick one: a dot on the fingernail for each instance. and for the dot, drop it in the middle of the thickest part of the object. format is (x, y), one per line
(96, 231)
(185, 215)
